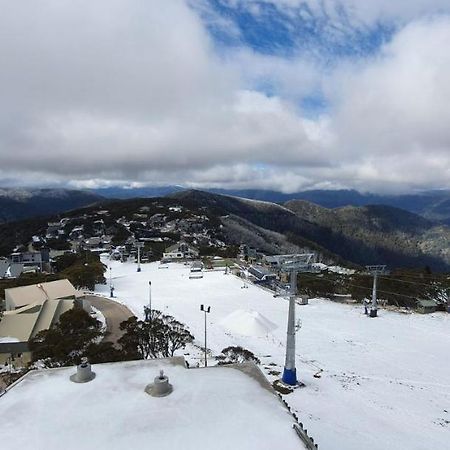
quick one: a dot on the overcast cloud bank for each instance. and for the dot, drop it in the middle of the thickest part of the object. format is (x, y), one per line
(115, 92)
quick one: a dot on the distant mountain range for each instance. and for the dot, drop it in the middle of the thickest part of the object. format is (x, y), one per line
(23, 203)
(434, 205)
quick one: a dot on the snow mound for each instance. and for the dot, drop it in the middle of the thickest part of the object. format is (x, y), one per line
(247, 323)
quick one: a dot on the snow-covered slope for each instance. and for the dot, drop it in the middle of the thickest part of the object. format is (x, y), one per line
(384, 384)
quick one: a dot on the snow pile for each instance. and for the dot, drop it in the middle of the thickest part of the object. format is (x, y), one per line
(247, 323)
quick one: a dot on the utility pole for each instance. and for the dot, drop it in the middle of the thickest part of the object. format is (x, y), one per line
(375, 271)
(205, 309)
(139, 245)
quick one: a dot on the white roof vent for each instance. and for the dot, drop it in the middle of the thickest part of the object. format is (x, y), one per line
(160, 387)
(84, 372)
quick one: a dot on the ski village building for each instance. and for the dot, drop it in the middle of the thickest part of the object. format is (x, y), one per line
(31, 309)
(148, 404)
(182, 250)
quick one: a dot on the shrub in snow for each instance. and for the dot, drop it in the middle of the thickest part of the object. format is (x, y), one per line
(236, 355)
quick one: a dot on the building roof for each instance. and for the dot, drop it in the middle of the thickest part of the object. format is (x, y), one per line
(15, 269)
(217, 407)
(26, 322)
(176, 247)
(172, 248)
(4, 264)
(26, 295)
(20, 326)
(260, 272)
(426, 303)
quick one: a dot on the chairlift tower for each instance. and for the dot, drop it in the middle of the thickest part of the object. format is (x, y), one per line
(375, 271)
(293, 264)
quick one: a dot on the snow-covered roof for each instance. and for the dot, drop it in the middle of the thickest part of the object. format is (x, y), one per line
(213, 408)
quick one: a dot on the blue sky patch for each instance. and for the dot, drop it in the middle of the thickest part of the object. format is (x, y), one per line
(273, 31)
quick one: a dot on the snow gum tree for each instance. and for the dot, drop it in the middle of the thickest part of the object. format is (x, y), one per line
(158, 336)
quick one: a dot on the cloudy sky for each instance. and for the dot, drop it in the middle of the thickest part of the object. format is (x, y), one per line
(286, 94)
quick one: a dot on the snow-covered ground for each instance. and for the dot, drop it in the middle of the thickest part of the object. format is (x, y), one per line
(385, 381)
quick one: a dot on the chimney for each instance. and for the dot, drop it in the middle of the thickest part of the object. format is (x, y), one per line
(160, 387)
(84, 372)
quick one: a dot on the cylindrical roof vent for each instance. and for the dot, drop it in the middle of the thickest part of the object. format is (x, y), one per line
(84, 372)
(160, 387)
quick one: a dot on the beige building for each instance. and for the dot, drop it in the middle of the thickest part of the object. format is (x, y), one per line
(26, 295)
(31, 309)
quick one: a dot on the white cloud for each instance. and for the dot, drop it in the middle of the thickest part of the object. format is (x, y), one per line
(103, 92)
(392, 111)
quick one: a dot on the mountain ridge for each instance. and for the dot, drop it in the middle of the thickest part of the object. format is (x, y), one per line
(386, 233)
(26, 203)
(433, 204)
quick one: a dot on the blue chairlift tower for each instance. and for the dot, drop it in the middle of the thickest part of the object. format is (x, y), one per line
(293, 264)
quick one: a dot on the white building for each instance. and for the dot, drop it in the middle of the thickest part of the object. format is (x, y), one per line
(222, 407)
(181, 250)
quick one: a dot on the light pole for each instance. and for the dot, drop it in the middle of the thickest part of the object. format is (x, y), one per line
(205, 310)
(111, 288)
(149, 301)
(139, 245)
